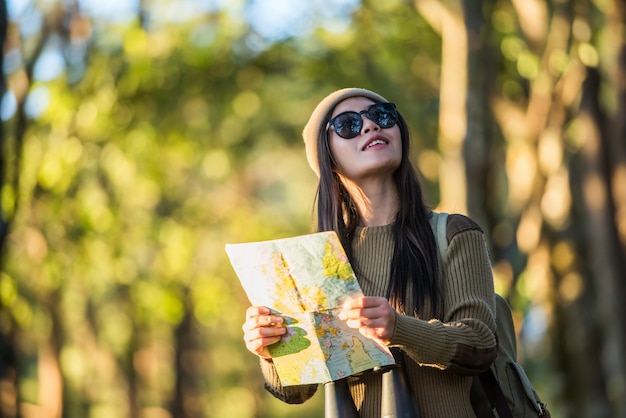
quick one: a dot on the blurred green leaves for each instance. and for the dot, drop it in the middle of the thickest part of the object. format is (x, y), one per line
(167, 141)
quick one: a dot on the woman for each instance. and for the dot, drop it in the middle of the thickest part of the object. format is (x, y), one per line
(368, 192)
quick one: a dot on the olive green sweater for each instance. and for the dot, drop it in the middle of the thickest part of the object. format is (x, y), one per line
(444, 349)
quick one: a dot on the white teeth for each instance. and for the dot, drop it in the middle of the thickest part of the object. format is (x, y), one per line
(376, 142)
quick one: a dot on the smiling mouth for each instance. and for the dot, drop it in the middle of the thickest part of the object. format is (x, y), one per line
(375, 141)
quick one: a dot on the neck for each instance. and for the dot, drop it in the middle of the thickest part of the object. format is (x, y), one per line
(376, 200)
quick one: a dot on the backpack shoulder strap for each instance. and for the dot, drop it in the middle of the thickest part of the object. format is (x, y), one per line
(488, 379)
(494, 393)
(439, 222)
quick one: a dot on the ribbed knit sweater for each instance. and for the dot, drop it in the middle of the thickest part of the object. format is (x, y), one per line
(444, 348)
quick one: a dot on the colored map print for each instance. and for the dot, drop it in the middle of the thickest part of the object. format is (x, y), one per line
(305, 280)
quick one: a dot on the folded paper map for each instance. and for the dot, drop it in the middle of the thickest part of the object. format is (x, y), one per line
(306, 279)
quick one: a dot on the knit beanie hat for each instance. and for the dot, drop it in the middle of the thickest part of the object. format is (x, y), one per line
(319, 118)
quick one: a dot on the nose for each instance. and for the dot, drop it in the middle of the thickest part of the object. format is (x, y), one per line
(368, 125)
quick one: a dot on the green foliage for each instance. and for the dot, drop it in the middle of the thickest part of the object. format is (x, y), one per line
(174, 142)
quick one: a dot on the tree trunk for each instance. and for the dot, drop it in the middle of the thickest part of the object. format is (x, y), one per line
(477, 141)
(187, 401)
(9, 405)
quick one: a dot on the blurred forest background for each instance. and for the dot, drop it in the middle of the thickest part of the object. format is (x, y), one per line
(138, 137)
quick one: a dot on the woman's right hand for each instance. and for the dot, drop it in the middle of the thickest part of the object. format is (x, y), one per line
(261, 329)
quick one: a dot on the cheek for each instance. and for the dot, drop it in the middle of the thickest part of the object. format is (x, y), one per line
(397, 134)
(337, 149)
(398, 138)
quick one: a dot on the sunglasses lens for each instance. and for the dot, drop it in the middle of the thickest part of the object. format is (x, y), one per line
(348, 125)
(383, 114)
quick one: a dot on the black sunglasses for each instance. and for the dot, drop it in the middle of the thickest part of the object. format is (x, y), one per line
(348, 125)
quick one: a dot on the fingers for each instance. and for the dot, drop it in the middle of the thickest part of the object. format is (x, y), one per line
(258, 343)
(253, 311)
(261, 321)
(364, 302)
(372, 316)
(262, 329)
(366, 308)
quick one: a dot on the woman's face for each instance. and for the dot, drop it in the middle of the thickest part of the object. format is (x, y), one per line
(374, 152)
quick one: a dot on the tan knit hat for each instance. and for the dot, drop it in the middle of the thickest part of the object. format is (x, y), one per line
(319, 118)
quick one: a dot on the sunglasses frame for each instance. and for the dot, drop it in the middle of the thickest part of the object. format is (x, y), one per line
(366, 112)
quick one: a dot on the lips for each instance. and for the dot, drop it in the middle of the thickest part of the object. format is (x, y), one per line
(375, 140)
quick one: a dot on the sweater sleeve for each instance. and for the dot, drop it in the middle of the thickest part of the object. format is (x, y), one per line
(462, 337)
(288, 394)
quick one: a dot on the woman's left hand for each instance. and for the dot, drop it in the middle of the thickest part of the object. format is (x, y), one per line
(372, 316)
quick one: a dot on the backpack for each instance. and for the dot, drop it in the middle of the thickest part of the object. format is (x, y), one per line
(504, 389)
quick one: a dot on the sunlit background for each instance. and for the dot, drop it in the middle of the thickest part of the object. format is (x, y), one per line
(139, 137)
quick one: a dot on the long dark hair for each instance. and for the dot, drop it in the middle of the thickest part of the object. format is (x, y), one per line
(415, 252)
